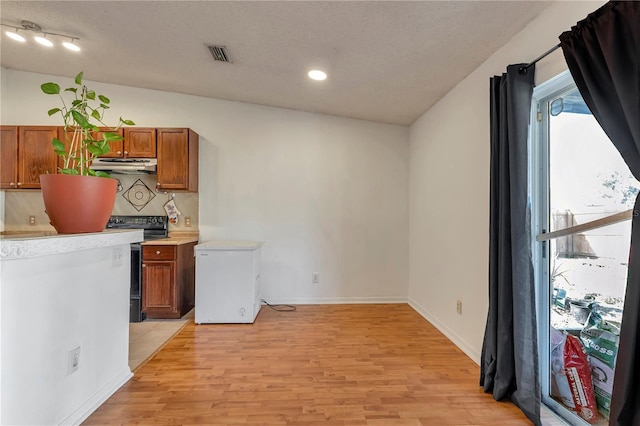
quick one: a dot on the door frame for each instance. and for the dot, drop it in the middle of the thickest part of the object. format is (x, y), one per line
(540, 223)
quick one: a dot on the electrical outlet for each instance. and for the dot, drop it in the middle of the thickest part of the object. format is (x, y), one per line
(32, 220)
(187, 221)
(459, 307)
(116, 256)
(74, 360)
(315, 277)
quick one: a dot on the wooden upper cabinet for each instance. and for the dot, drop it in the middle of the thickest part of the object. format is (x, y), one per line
(178, 159)
(139, 142)
(27, 153)
(8, 157)
(116, 147)
(35, 154)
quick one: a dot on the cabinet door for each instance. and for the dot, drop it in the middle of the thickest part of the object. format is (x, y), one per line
(8, 157)
(139, 142)
(158, 288)
(35, 154)
(178, 159)
(116, 147)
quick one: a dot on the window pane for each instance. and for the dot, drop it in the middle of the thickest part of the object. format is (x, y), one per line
(588, 180)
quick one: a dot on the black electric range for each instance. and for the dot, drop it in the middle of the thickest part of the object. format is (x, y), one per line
(154, 227)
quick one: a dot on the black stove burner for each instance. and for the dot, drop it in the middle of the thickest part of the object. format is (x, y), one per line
(154, 227)
(138, 222)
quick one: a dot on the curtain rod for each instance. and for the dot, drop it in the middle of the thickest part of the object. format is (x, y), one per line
(544, 55)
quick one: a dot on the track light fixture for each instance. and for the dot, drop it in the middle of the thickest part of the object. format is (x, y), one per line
(43, 40)
(71, 45)
(42, 37)
(17, 37)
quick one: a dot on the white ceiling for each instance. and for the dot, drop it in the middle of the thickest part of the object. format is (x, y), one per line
(387, 61)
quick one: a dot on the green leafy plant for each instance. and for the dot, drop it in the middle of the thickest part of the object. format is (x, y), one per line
(557, 273)
(82, 118)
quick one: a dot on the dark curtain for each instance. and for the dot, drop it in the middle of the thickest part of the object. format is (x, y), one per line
(509, 365)
(603, 55)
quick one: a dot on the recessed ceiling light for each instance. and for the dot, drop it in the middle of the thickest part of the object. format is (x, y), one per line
(317, 75)
(43, 40)
(14, 35)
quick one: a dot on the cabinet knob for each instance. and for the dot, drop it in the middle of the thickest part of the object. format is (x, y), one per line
(19, 183)
(126, 152)
(144, 266)
(157, 251)
(119, 152)
(12, 184)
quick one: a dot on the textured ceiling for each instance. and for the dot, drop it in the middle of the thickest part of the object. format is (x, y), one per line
(387, 61)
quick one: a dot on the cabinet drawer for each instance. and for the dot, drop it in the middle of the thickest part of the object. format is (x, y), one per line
(158, 252)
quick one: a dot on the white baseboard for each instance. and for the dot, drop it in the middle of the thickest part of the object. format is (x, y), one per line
(335, 300)
(469, 350)
(96, 400)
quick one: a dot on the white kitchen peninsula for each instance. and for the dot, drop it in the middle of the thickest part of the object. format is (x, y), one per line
(57, 294)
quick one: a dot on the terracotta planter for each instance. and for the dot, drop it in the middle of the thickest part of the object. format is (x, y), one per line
(78, 204)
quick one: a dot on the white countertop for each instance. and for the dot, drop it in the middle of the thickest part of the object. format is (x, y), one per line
(28, 245)
(229, 245)
(171, 241)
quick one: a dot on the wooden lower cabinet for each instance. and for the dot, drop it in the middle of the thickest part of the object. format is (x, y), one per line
(168, 280)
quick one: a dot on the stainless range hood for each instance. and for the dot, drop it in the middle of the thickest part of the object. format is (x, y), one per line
(126, 165)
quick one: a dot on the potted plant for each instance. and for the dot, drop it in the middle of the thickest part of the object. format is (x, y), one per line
(79, 199)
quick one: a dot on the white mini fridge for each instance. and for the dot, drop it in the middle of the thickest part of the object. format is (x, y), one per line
(227, 282)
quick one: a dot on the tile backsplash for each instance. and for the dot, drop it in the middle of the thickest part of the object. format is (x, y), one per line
(20, 205)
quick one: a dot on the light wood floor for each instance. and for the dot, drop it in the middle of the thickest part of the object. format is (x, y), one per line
(323, 364)
(148, 336)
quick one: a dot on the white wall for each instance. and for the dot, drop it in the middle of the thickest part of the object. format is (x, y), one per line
(325, 194)
(449, 184)
(46, 312)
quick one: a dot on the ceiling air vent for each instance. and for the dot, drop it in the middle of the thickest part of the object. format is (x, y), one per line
(219, 53)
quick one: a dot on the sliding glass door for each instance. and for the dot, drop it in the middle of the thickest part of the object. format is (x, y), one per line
(582, 196)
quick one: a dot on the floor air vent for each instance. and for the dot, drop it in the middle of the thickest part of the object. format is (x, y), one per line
(219, 53)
